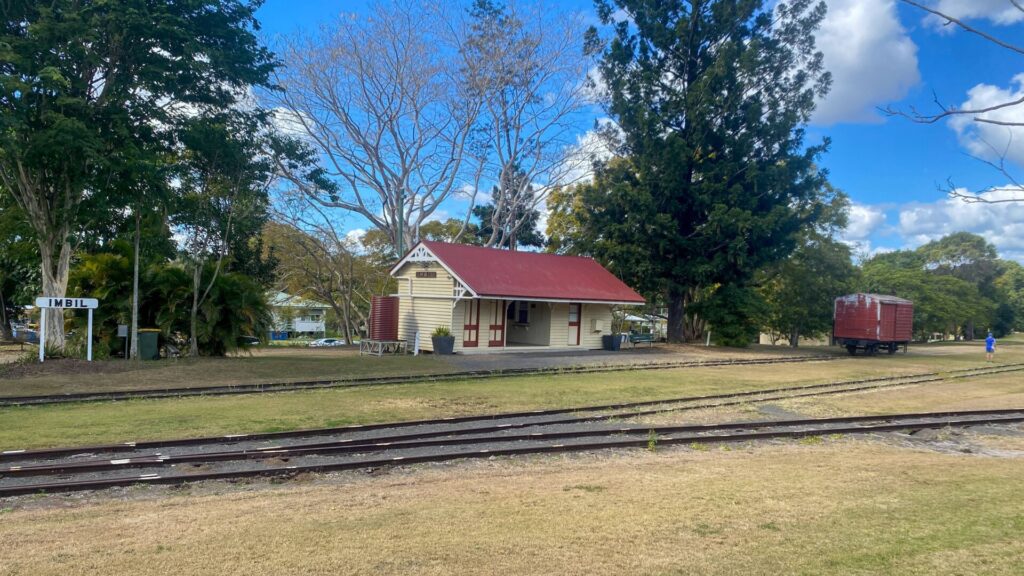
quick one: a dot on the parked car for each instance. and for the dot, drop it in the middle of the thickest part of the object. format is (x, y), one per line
(327, 343)
(248, 341)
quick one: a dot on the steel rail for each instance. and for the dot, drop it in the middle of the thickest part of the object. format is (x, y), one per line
(363, 446)
(776, 393)
(115, 395)
(848, 425)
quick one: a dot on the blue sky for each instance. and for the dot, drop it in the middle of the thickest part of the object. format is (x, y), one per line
(881, 53)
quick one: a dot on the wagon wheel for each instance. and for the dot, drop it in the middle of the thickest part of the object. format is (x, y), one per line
(893, 348)
(851, 349)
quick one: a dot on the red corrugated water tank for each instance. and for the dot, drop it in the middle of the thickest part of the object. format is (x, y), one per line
(384, 318)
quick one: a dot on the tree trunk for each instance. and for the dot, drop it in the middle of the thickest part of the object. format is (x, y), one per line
(676, 315)
(348, 322)
(193, 341)
(794, 337)
(55, 284)
(134, 346)
(970, 330)
(5, 325)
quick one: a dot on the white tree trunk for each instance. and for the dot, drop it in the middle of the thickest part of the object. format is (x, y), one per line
(55, 283)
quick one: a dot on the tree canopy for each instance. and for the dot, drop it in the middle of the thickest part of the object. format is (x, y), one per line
(709, 99)
(93, 91)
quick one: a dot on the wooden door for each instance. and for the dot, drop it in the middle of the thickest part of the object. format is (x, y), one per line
(575, 317)
(471, 324)
(887, 327)
(496, 329)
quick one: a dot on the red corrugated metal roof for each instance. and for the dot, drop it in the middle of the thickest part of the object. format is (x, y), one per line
(503, 273)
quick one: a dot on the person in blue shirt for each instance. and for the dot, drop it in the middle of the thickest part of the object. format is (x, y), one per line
(990, 347)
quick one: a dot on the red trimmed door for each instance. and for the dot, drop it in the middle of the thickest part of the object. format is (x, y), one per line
(575, 317)
(471, 324)
(496, 332)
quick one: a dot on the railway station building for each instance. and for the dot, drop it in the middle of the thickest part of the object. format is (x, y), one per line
(502, 301)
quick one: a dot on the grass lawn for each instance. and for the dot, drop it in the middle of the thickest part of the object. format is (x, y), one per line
(86, 423)
(272, 364)
(842, 507)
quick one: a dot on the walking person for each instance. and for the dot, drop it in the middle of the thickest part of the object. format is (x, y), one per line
(990, 347)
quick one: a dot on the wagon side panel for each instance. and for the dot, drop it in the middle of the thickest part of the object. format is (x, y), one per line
(856, 317)
(904, 323)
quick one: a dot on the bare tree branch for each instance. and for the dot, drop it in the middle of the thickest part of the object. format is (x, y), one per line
(967, 27)
(381, 101)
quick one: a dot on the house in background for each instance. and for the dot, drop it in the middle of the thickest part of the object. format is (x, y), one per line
(640, 323)
(499, 300)
(296, 317)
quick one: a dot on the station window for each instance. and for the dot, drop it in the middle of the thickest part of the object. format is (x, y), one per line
(519, 312)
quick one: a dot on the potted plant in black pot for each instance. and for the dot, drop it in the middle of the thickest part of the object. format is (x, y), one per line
(444, 342)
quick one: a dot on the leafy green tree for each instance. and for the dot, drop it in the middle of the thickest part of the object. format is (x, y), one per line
(223, 196)
(92, 91)
(968, 257)
(450, 230)
(734, 312)
(235, 306)
(19, 269)
(799, 291)
(711, 98)
(943, 304)
(565, 209)
(1004, 319)
(1011, 287)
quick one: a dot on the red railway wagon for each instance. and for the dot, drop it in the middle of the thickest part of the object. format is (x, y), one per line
(872, 322)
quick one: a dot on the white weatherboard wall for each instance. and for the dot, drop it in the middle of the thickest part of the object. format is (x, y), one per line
(589, 339)
(427, 306)
(603, 312)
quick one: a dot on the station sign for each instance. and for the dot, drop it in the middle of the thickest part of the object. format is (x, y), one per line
(54, 302)
(47, 302)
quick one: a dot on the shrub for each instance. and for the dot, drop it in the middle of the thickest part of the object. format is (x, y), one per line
(442, 331)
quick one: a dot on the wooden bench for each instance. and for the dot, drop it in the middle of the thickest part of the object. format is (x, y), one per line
(637, 337)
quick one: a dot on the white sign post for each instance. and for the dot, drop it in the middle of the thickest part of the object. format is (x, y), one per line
(44, 302)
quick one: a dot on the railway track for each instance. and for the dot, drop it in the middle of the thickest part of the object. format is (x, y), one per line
(115, 395)
(580, 428)
(611, 411)
(373, 455)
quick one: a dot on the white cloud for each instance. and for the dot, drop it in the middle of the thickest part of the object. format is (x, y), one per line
(992, 141)
(590, 147)
(1001, 224)
(289, 122)
(997, 11)
(465, 193)
(438, 216)
(864, 249)
(864, 221)
(871, 57)
(355, 236)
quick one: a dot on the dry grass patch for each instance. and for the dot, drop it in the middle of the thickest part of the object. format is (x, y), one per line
(997, 442)
(980, 393)
(836, 508)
